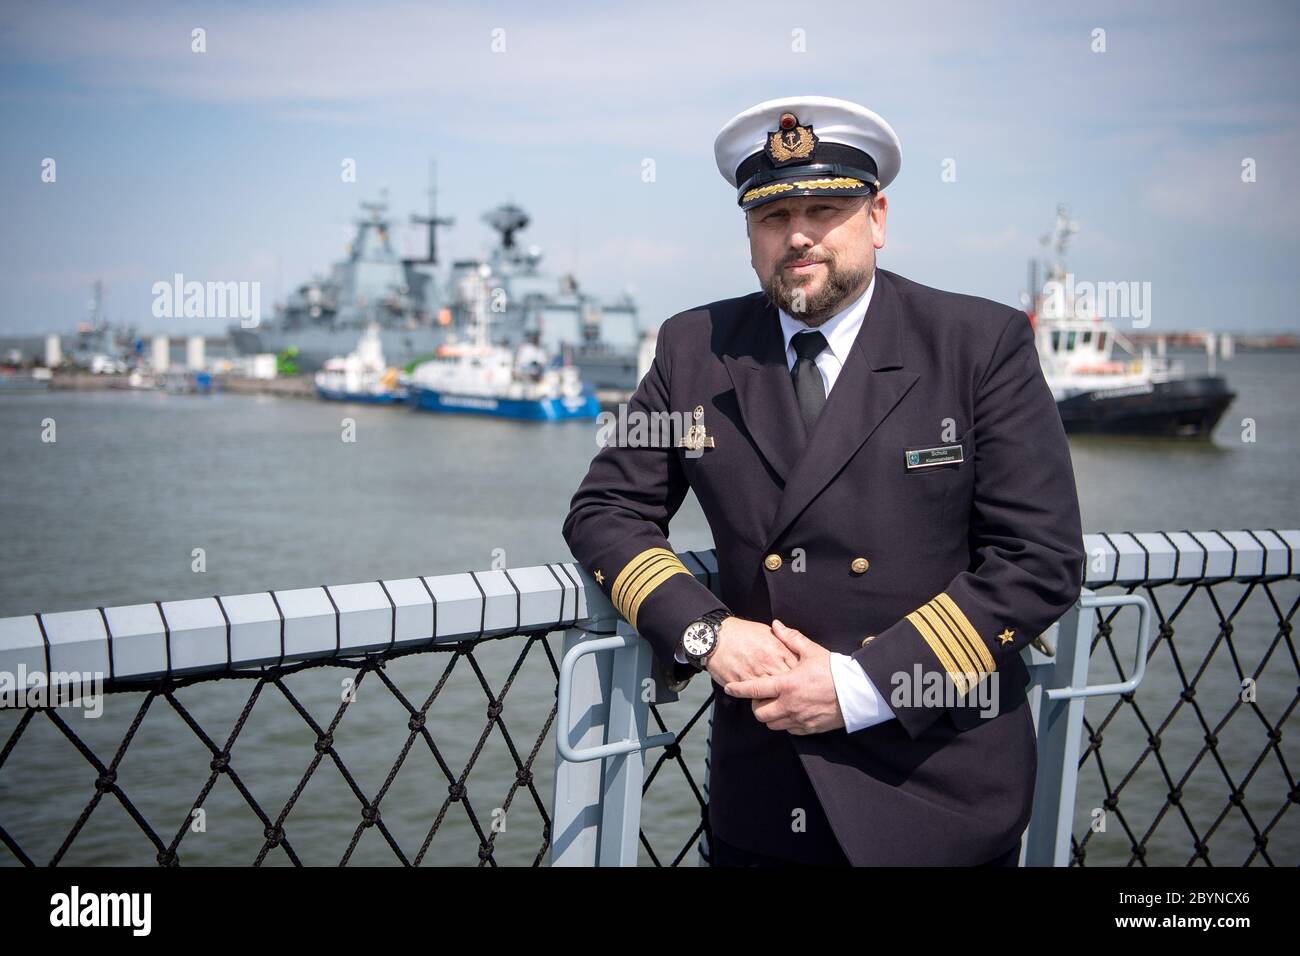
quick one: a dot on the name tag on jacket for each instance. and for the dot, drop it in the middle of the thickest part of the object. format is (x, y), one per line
(926, 457)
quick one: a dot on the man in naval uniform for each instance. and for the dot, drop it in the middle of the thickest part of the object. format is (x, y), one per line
(894, 511)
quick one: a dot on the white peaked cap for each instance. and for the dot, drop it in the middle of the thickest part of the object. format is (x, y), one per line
(806, 145)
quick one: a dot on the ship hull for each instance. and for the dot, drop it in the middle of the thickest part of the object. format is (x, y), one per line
(584, 408)
(600, 369)
(364, 398)
(607, 368)
(1183, 408)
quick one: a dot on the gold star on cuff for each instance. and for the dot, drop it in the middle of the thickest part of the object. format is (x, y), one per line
(600, 578)
(1005, 636)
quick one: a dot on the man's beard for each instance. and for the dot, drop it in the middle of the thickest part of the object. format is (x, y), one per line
(818, 306)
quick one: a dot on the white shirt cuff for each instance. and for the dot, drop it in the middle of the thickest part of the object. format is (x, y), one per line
(860, 702)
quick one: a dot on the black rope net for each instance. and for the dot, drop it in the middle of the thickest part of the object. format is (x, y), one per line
(392, 762)
(1195, 759)
(1194, 769)
(688, 818)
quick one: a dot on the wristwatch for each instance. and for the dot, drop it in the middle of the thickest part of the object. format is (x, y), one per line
(701, 637)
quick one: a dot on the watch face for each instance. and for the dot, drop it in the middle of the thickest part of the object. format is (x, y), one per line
(698, 639)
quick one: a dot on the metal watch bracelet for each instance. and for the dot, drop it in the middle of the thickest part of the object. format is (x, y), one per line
(714, 619)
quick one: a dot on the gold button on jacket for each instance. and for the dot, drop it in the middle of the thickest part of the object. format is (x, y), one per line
(772, 562)
(868, 639)
(860, 565)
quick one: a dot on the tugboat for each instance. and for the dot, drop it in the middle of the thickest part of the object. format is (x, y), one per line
(1096, 391)
(488, 378)
(361, 376)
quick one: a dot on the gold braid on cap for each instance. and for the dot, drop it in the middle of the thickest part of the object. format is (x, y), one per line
(840, 182)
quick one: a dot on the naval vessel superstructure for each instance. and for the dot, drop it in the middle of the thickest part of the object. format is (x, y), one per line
(416, 309)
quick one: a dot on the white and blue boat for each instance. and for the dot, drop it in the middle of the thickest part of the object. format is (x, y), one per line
(491, 380)
(481, 378)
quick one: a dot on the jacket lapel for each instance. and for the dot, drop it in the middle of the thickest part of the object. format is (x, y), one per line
(755, 360)
(871, 383)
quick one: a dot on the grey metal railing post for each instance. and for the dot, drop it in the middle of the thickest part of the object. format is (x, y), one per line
(1059, 725)
(602, 718)
(1058, 695)
(575, 807)
(629, 712)
(608, 680)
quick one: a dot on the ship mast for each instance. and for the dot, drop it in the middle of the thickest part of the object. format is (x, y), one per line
(1054, 245)
(432, 221)
(480, 307)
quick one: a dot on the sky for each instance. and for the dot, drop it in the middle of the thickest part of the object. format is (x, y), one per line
(224, 165)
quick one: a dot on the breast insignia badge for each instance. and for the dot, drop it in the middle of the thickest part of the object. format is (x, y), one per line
(697, 437)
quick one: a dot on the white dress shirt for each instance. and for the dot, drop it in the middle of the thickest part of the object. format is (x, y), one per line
(860, 702)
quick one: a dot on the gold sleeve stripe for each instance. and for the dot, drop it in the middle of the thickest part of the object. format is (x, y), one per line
(974, 646)
(959, 652)
(963, 622)
(645, 590)
(953, 634)
(632, 568)
(940, 651)
(954, 641)
(647, 579)
(972, 673)
(639, 578)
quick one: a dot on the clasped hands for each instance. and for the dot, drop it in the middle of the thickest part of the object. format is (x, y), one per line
(786, 676)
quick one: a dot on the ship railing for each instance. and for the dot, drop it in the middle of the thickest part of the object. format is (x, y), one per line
(513, 717)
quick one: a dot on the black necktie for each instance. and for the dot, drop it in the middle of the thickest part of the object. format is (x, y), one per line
(809, 388)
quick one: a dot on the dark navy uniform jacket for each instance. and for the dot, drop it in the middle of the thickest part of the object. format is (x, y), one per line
(963, 563)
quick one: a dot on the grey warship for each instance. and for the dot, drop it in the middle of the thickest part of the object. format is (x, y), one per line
(417, 307)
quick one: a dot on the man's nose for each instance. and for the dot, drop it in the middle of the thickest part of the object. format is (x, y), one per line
(800, 241)
(800, 235)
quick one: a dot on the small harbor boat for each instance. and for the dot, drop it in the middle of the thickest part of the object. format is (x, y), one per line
(1099, 390)
(362, 375)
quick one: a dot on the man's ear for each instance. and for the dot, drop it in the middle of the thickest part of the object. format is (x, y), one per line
(882, 205)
